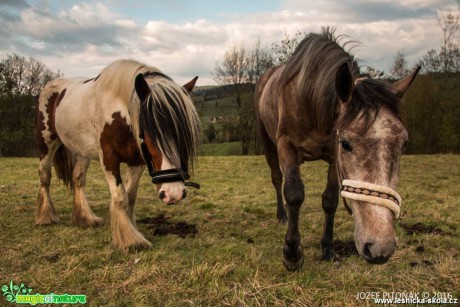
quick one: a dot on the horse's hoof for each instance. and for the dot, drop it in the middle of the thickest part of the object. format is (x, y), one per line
(140, 246)
(292, 262)
(133, 246)
(47, 220)
(293, 266)
(328, 254)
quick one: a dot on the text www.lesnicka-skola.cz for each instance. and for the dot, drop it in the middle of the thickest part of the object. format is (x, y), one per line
(408, 297)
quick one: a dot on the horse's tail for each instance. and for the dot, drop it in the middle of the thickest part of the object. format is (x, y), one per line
(64, 163)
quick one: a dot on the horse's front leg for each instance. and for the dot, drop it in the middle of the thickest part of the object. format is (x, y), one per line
(124, 232)
(133, 174)
(294, 195)
(330, 200)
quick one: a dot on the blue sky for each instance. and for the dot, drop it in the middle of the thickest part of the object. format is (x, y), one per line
(176, 11)
(187, 38)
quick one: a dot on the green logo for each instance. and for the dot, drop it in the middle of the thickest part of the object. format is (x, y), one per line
(12, 290)
(22, 295)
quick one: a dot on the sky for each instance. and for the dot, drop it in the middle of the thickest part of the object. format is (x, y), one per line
(186, 38)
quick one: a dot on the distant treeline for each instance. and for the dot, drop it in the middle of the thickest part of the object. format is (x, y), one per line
(21, 79)
(431, 112)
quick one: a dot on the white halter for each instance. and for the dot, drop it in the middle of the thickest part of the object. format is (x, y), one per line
(372, 193)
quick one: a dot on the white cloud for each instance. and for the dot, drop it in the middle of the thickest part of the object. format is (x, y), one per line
(126, 23)
(83, 39)
(164, 35)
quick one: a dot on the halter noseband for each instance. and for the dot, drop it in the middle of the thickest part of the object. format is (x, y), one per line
(169, 175)
(366, 191)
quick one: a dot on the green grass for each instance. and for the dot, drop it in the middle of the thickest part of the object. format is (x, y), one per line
(235, 257)
(220, 149)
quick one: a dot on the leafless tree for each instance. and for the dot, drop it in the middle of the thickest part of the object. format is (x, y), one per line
(240, 69)
(259, 59)
(232, 71)
(283, 50)
(448, 21)
(23, 76)
(448, 57)
(399, 67)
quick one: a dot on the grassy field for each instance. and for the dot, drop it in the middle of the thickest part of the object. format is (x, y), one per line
(220, 149)
(223, 245)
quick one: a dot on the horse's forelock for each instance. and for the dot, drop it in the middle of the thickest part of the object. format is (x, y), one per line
(170, 119)
(368, 97)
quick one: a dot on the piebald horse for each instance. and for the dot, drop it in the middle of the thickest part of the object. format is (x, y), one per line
(131, 113)
(315, 107)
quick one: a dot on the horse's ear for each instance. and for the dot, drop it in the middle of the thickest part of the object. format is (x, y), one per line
(190, 85)
(400, 87)
(344, 82)
(142, 88)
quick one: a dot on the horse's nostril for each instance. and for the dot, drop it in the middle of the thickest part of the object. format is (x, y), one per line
(367, 250)
(162, 194)
(184, 194)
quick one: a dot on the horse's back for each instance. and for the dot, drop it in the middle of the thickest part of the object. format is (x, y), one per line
(54, 92)
(67, 107)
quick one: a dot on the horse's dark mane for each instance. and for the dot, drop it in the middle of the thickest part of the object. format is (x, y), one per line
(368, 96)
(313, 66)
(170, 120)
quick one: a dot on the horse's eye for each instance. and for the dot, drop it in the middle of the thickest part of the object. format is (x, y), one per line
(346, 145)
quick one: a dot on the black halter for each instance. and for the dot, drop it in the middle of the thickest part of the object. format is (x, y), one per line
(169, 175)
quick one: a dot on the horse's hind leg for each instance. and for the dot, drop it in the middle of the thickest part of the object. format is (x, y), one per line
(271, 155)
(330, 201)
(82, 215)
(46, 213)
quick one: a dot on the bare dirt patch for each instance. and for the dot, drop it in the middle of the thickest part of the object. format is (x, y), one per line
(161, 227)
(345, 249)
